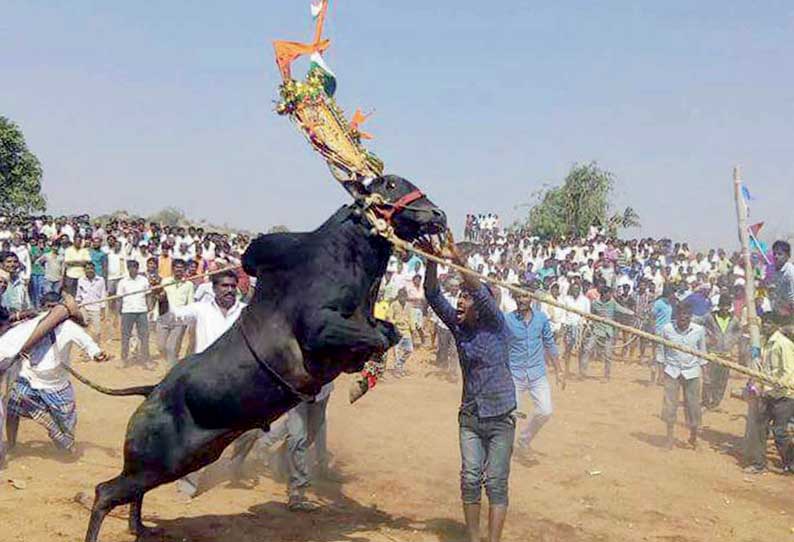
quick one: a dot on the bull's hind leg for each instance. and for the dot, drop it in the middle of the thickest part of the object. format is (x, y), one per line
(136, 525)
(110, 494)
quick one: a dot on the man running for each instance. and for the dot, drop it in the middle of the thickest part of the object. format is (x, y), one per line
(530, 341)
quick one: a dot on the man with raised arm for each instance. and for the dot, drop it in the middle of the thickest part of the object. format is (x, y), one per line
(42, 391)
(486, 421)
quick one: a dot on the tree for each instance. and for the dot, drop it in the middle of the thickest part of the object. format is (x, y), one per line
(627, 219)
(278, 229)
(20, 173)
(170, 216)
(544, 216)
(582, 201)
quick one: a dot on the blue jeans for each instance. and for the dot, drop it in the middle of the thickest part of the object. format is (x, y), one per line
(540, 393)
(486, 446)
(404, 350)
(36, 289)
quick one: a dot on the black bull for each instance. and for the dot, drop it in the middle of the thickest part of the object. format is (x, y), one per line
(311, 319)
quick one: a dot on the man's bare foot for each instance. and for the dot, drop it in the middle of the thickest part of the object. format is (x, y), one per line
(669, 441)
(693, 440)
(244, 483)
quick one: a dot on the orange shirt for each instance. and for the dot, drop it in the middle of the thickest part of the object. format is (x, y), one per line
(164, 266)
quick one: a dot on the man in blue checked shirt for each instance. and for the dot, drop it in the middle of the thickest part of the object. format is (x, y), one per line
(530, 341)
(485, 419)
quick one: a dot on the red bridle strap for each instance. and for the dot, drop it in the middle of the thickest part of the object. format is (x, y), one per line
(388, 210)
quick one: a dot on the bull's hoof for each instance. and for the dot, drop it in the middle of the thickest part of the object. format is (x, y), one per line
(358, 389)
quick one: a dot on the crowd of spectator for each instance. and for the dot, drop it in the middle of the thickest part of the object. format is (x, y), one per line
(44, 256)
(637, 282)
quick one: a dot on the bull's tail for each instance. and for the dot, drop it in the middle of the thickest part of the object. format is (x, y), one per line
(145, 391)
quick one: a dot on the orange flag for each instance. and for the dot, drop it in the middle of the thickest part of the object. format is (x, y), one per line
(358, 119)
(288, 51)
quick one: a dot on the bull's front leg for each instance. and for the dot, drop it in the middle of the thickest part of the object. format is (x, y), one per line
(389, 331)
(327, 331)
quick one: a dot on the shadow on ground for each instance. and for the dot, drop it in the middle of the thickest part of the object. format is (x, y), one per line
(341, 519)
(46, 450)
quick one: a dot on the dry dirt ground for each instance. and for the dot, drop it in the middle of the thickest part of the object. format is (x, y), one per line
(600, 473)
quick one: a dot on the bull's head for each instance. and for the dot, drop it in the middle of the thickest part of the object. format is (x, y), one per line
(404, 207)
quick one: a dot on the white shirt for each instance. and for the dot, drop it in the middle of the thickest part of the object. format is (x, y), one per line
(204, 292)
(138, 255)
(116, 263)
(187, 239)
(179, 254)
(135, 303)
(208, 252)
(24, 260)
(91, 291)
(507, 303)
(555, 315)
(564, 284)
(587, 273)
(48, 230)
(68, 231)
(658, 281)
(392, 265)
(210, 321)
(581, 303)
(44, 370)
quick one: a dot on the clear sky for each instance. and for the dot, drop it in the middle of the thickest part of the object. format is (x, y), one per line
(142, 105)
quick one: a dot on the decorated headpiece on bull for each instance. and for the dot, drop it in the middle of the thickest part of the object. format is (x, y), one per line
(393, 204)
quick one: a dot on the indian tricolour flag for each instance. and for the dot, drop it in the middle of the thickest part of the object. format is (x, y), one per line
(317, 8)
(317, 62)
